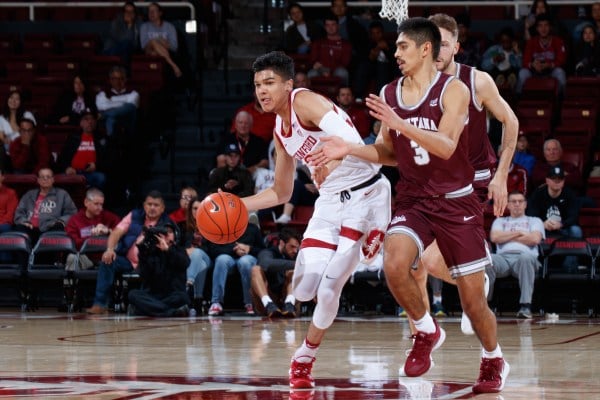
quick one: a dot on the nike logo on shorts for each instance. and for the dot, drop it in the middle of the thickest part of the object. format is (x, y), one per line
(465, 219)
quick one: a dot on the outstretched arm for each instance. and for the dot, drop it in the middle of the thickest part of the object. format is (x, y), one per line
(441, 143)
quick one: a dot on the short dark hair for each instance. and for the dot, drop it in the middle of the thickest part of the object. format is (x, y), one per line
(287, 234)
(155, 194)
(376, 24)
(543, 17)
(516, 192)
(278, 61)
(422, 30)
(295, 5)
(330, 16)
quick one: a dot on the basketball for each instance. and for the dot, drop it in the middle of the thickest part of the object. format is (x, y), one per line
(222, 218)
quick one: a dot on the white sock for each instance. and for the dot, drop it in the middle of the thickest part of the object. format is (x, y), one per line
(425, 324)
(496, 353)
(290, 299)
(437, 299)
(266, 300)
(306, 352)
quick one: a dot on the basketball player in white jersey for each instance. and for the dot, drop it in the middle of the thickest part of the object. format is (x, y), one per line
(351, 213)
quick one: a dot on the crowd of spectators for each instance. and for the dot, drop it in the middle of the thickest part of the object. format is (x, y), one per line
(360, 54)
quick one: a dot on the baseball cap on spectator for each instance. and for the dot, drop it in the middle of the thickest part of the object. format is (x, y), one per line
(231, 148)
(556, 172)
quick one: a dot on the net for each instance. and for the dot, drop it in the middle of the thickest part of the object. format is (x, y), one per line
(396, 10)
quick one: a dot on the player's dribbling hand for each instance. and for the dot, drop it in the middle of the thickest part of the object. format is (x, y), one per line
(329, 148)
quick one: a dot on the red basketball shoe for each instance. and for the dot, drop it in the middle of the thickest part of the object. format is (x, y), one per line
(492, 375)
(419, 359)
(300, 377)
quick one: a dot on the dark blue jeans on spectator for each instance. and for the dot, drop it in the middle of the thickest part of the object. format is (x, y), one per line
(106, 277)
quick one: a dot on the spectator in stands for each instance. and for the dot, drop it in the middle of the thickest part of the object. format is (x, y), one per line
(537, 7)
(12, 112)
(351, 30)
(162, 265)
(301, 33)
(271, 285)
(44, 209)
(358, 114)
(503, 60)
(522, 155)
(91, 220)
(118, 105)
(596, 17)
(29, 152)
(253, 150)
(121, 255)
(382, 63)
(553, 157)
(85, 153)
(517, 179)
(544, 55)
(8, 205)
(124, 34)
(305, 193)
(436, 285)
(264, 177)
(179, 216)
(469, 51)
(263, 123)
(587, 53)
(375, 127)
(159, 37)
(73, 103)
(241, 254)
(331, 55)
(233, 177)
(200, 262)
(301, 80)
(516, 237)
(556, 205)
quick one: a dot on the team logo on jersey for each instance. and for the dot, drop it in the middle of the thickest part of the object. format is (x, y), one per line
(433, 103)
(398, 218)
(297, 129)
(306, 148)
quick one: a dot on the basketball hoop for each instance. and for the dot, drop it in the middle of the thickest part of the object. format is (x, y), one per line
(396, 10)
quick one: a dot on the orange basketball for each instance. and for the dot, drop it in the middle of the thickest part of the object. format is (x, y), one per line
(222, 218)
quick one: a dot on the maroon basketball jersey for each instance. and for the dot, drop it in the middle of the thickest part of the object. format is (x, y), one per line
(481, 153)
(422, 173)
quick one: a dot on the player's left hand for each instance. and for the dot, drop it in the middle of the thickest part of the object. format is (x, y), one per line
(382, 111)
(329, 148)
(498, 193)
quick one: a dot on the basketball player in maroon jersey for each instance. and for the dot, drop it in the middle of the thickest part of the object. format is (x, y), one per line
(424, 115)
(484, 97)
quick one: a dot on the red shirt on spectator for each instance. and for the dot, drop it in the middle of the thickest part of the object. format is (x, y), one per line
(8, 205)
(262, 123)
(331, 53)
(553, 52)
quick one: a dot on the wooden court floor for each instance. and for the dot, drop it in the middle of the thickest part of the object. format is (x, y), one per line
(51, 355)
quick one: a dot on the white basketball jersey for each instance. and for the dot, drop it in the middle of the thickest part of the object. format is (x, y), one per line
(302, 140)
